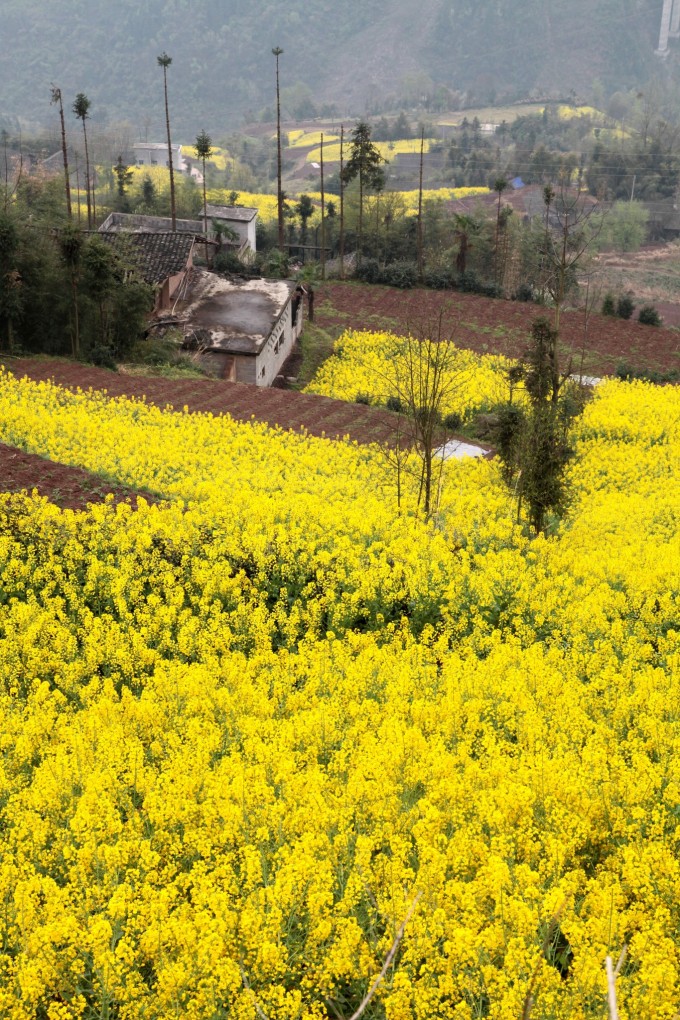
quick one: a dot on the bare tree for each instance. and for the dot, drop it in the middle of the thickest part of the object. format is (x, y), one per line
(569, 235)
(424, 376)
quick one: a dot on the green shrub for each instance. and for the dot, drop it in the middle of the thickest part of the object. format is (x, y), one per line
(625, 306)
(369, 271)
(609, 305)
(524, 292)
(402, 274)
(362, 398)
(439, 279)
(649, 316)
(453, 421)
(394, 403)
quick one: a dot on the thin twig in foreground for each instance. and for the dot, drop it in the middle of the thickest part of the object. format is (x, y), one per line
(246, 984)
(611, 989)
(388, 960)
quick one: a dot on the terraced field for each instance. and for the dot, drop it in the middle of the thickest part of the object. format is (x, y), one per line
(497, 326)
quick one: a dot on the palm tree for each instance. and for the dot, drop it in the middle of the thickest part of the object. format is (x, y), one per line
(164, 61)
(204, 150)
(277, 51)
(56, 98)
(81, 109)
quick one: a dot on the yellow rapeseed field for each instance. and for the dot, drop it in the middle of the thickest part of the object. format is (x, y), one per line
(375, 364)
(246, 729)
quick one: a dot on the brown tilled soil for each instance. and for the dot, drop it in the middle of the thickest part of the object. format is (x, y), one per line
(496, 326)
(320, 416)
(68, 487)
(477, 323)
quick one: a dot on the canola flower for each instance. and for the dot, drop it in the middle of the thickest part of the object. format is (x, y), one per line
(242, 729)
(374, 364)
(388, 150)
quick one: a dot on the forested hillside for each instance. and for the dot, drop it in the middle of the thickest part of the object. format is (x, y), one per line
(357, 56)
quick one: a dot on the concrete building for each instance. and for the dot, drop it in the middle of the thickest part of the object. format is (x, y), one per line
(156, 154)
(241, 330)
(242, 220)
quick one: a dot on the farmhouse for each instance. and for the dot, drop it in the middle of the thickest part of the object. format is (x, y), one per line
(163, 260)
(156, 154)
(241, 330)
(240, 220)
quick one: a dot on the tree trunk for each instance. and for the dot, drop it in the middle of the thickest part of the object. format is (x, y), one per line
(173, 208)
(342, 206)
(205, 214)
(87, 179)
(65, 154)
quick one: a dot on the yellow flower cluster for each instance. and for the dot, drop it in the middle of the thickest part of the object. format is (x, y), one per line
(299, 139)
(388, 150)
(377, 365)
(243, 730)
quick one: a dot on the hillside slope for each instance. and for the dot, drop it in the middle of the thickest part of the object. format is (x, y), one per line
(355, 56)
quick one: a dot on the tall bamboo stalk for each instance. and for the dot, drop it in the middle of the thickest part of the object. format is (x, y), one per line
(277, 51)
(323, 219)
(342, 204)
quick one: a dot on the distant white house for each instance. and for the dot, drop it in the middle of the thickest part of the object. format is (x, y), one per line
(156, 154)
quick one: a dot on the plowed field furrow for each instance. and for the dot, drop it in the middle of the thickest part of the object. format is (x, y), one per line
(496, 326)
(285, 408)
(68, 487)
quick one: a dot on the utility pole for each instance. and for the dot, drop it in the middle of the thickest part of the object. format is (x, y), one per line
(277, 51)
(420, 207)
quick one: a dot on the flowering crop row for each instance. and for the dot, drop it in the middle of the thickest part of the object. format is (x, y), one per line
(243, 729)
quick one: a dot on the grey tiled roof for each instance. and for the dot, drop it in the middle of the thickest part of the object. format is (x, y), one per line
(156, 256)
(241, 213)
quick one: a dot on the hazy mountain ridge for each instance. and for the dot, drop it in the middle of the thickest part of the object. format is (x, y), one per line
(355, 56)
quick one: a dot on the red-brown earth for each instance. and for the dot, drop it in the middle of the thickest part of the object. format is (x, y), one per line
(68, 487)
(481, 324)
(497, 326)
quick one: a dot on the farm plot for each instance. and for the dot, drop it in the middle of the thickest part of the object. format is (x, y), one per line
(319, 416)
(496, 326)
